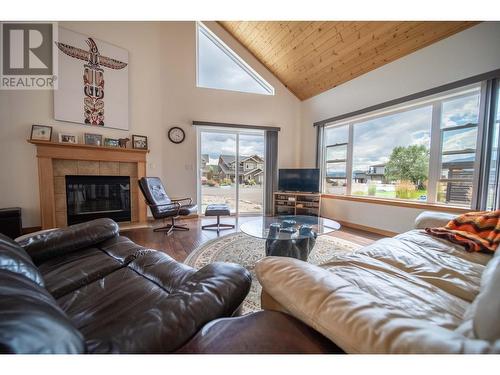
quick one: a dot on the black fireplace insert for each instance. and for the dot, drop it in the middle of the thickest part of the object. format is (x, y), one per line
(93, 197)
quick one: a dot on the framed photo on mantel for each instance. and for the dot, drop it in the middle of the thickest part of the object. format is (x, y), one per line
(41, 133)
(93, 139)
(139, 142)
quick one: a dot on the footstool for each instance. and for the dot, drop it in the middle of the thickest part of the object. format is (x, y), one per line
(218, 210)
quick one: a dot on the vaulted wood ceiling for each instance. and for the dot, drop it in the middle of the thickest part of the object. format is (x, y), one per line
(310, 57)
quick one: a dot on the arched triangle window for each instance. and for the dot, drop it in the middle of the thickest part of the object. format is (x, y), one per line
(218, 67)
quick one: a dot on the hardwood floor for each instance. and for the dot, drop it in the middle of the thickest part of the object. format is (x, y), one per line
(180, 244)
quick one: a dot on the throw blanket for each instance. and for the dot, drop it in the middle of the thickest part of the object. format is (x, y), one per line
(476, 231)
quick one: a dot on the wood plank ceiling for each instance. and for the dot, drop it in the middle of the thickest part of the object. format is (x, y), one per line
(310, 57)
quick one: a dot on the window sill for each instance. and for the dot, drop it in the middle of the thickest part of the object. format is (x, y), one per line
(399, 203)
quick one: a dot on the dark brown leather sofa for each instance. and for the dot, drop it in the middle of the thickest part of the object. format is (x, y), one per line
(86, 289)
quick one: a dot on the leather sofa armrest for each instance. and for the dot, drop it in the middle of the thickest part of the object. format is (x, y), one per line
(25, 237)
(213, 292)
(432, 219)
(49, 244)
(261, 332)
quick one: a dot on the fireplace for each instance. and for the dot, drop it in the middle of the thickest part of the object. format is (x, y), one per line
(93, 197)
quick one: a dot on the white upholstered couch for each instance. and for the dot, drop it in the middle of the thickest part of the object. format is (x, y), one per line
(412, 293)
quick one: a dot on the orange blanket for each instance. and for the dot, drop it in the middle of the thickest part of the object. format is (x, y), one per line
(476, 231)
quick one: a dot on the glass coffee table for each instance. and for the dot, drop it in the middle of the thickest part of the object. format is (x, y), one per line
(289, 236)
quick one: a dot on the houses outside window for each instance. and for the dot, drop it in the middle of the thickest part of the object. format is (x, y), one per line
(231, 169)
(459, 125)
(336, 142)
(422, 151)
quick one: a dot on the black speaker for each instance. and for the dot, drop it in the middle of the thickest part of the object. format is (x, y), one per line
(10, 222)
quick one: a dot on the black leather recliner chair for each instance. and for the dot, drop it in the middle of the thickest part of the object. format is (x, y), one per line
(162, 207)
(86, 289)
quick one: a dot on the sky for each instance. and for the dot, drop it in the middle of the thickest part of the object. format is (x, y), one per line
(375, 139)
(215, 144)
(217, 70)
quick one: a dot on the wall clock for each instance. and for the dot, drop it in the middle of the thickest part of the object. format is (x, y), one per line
(176, 135)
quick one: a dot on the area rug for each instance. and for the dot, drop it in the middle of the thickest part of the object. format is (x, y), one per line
(245, 250)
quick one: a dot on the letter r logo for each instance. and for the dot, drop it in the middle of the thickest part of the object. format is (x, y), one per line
(27, 49)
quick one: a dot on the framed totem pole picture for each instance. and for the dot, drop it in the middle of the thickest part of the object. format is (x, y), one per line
(93, 82)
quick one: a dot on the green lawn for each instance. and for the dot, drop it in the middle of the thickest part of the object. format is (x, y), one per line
(392, 194)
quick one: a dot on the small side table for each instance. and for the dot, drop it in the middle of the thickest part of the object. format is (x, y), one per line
(218, 210)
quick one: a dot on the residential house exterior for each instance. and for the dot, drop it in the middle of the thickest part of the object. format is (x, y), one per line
(462, 169)
(250, 168)
(457, 173)
(204, 168)
(376, 173)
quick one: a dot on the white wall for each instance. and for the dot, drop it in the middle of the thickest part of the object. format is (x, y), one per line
(162, 93)
(184, 102)
(468, 53)
(388, 218)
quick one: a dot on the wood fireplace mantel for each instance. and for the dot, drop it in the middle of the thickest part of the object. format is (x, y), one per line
(47, 152)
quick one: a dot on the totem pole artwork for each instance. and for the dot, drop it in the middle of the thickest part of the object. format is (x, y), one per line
(93, 78)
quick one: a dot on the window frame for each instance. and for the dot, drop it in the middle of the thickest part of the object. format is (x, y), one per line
(201, 27)
(435, 145)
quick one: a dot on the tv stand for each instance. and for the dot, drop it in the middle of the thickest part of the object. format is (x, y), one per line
(297, 203)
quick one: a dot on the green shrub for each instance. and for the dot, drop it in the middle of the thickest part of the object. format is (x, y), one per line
(226, 182)
(405, 190)
(372, 189)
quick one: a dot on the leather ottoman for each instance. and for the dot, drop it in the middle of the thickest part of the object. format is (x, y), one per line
(218, 210)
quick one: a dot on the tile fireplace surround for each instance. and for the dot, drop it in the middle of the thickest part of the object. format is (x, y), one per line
(56, 160)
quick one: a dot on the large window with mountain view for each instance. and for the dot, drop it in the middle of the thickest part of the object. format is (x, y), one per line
(422, 151)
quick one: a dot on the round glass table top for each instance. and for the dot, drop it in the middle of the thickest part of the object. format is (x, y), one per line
(288, 226)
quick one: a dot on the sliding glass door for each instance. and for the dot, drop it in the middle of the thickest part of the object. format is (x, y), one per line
(217, 169)
(251, 173)
(231, 169)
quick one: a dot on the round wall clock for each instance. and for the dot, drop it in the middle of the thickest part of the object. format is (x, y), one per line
(176, 135)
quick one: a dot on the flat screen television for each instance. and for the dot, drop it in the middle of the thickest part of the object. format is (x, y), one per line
(300, 180)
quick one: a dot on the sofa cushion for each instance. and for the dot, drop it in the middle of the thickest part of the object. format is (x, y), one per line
(128, 312)
(122, 249)
(74, 270)
(433, 219)
(31, 321)
(15, 259)
(51, 244)
(438, 262)
(487, 304)
(367, 306)
(161, 269)
(152, 264)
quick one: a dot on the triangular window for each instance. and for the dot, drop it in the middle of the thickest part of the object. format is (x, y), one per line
(218, 67)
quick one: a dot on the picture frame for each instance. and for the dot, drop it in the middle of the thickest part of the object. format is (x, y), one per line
(68, 138)
(93, 139)
(111, 142)
(41, 133)
(139, 142)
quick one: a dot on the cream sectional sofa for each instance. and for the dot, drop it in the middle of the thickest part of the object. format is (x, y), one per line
(412, 293)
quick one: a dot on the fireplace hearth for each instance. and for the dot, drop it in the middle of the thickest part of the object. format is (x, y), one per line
(93, 197)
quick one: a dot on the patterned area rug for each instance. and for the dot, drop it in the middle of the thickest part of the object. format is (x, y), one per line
(246, 250)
